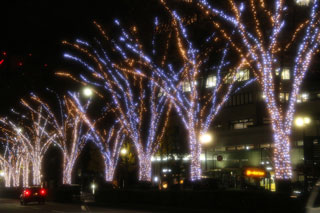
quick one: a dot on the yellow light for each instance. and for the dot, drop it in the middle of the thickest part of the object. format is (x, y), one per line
(165, 185)
(205, 138)
(87, 92)
(306, 120)
(302, 121)
(255, 173)
(299, 122)
(123, 151)
(181, 181)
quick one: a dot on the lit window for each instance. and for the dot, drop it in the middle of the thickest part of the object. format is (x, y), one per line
(243, 75)
(300, 143)
(266, 120)
(248, 147)
(211, 81)
(304, 97)
(303, 2)
(284, 97)
(241, 147)
(285, 75)
(221, 149)
(231, 148)
(264, 145)
(186, 87)
(241, 124)
(161, 93)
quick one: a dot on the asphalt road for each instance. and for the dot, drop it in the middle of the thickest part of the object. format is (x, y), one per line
(9, 205)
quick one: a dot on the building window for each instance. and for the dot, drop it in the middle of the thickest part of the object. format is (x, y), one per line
(186, 86)
(241, 124)
(243, 75)
(248, 147)
(266, 120)
(303, 2)
(220, 149)
(231, 148)
(211, 81)
(161, 93)
(262, 146)
(285, 75)
(240, 99)
(241, 147)
(304, 97)
(283, 97)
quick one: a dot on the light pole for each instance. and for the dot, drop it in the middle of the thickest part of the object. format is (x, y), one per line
(124, 154)
(205, 140)
(302, 122)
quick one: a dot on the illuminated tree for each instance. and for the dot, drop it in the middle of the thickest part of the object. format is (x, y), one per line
(34, 136)
(196, 105)
(70, 131)
(134, 100)
(108, 140)
(13, 160)
(261, 43)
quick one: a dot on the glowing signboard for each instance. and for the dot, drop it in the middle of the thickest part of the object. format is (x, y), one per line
(255, 173)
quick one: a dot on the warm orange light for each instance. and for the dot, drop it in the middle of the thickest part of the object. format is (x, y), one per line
(165, 185)
(255, 173)
(181, 181)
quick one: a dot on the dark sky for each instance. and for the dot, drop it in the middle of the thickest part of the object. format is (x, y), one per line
(31, 36)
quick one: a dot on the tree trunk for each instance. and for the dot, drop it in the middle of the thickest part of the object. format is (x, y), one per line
(67, 171)
(282, 161)
(7, 177)
(36, 171)
(195, 152)
(145, 168)
(109, 171)
(16, 177)
(25, 174)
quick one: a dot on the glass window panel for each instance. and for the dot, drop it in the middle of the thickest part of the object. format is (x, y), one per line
(211, 81)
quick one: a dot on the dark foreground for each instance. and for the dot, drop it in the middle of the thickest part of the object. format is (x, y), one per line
(148, 200)
(11, 205)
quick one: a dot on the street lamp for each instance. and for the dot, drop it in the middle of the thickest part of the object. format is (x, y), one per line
(93, 187)
(205, 139)
(87, 91)
(124, 154)
(123, 151)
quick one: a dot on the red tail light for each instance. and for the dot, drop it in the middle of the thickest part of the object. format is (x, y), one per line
(43, 192)
(27, 192)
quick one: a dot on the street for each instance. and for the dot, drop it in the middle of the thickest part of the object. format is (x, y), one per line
(10, 205)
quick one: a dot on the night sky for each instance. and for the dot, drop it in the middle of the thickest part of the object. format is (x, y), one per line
(31, 36)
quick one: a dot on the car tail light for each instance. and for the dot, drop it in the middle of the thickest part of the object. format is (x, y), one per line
(27, 192)
(43, 192)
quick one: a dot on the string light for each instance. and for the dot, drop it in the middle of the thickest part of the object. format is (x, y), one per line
(70, 134)
(261, 53)
(128, 103)
(196, 111)
(109, 141)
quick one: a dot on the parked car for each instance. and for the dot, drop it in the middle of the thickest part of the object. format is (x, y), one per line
(313, 204)
(33, 194)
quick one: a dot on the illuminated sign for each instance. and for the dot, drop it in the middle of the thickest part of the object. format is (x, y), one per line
(1, 61)
(255, 173)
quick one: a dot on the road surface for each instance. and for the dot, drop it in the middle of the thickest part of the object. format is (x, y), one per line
(10, 205)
